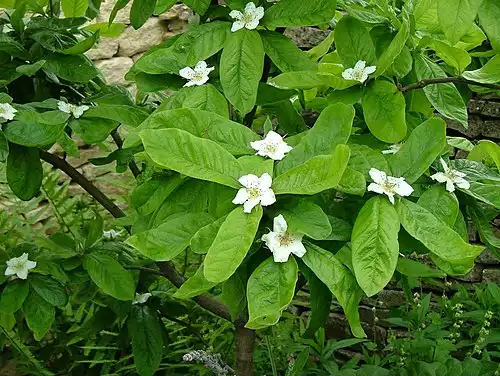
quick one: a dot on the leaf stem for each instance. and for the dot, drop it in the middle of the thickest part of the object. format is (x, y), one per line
(443, 80)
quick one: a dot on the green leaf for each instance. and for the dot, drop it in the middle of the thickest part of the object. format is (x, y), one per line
(82, 46)
(39, 314)
(316, 175)
(49, 289)
(424, 145)
(109, 276)
(393, 50)
(320, 302)
(384, 111)
(311, 79)
(92, 230)
(107, 30)
(147, 339)
(456, 16)
(489, 14)
(353, 42)
(74, 68)
(74, 8)
(309, 219)
(120, 4)
(375, 247)
(199, 158)
(234, 295)
(199, 6)
(440, 239)
(321, 49)
(194, 285)
(486, 231)
(341, 229)
(231, 244)
(441, 203)
(483, 150)
(284, 53)
(299, 13)
(454, 57)
(129, 115)
(147, 197)
(352, 182)
(4, 147)
(489, 73)
(205, 236)
(24, 171)
(363, 158)
(140, 12)
(339, 280)
(171, 238)
(92, 130)
(257, 165)
(13, 296)
(241, 66)
(30, 69)
(332, 128)
(416, 269)
(444, 97)
(270, 290)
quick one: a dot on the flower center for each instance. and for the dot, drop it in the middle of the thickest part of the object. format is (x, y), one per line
(248, 17)
(452, 175)
(271, 147)
(198, 76)
(388, 186)
(254, 192)
(285, 239)
(357, 74)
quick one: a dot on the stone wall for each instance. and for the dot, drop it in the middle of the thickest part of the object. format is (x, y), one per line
(115, 56)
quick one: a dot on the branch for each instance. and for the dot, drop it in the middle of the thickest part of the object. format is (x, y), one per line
(119, 142)
(443, 80)
(245, 344)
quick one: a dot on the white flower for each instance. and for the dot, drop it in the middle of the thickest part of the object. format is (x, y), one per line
(393, 149)
(257, 190)
(451, 178)
(141, 298)
(271, 146)
(7, 111)
(281, 242)
(20, 266)
(197, 76)
(72, 109)
(111, 234)
(249, 18)
(359, 73)
(388, 185)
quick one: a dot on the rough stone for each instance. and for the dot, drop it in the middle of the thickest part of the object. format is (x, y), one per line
(123, 15)
(491, 275)
(306, 37)
(478, 127)
(488, 258)
(106, 49)
(484, 108)
(177, 26)
(114, 69)
(475, 275)
(178, 11)
(152, 33)
(137, 56)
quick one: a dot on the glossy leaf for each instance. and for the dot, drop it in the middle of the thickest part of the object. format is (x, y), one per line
(39, 314)
(488, 74)
(195, 285)
(140, 12)
(13, 296)
(49, 289)
(74, 8)
(456, 17)
(300, 13)
(441, 203)
(234, 295)
(353, 42)
(309, 219)
(393, 50)
(24, 171)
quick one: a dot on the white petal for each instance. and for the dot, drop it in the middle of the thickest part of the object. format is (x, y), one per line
(388, 151)
(377, 176)
(250, 204)
(277, 155)
(236, 14)
(298, 249)
(241, 197)
(459, 174)
(200, 66)
(23, 274)
(252, 24)
(23, 257)
(374, 187)
(267, 198)
(249, 181)
(347, 74)
(237, 25)
(64, 107)
(258, 145)
(259, 12)
(360, 64)
(198, 81)
(449, 186)
(273, 136)
(403, 189)
(391, 198)
(370, 69)
(190, 83)
(462, 183)
(364, 77)
(187, 73)
(440, 177)
(443, 163)
(30, 264)
(79, 110)
(281, 255)
(265, 181)
(10, 271)
(279, 224)
(250, 7)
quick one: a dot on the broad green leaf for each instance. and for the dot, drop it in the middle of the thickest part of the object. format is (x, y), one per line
(320, 302)
(384, 111)
(270, 290)
(205, 236)
(92, 230)
(424, 145)
(487, 192)
(75, 68)
(49, 289)
(353, 182)
(444, 97)
(269, 95)
(299, 13)
(416, 269)
(339, 280)
(489, 14)
(24, 171)
(152, 83)
(232, 136)
(171, 238)
(363, 158)
(441, 203)
(489, 73)
(13, 296)
(199, 6)
(140, 12)
(147, 197)
(284, 53)
(234, 295)
(431, 231)
(195, 285)
(375, 247)
(460, 143)
(454, 57)
(30, 69)
(353, 42)
(4, 147)
(485, 149)
(257, 165)
(231, 244)
(74, 8)
(128, 115)
(310, 79)
(456, 17)
(146, 333)
(393, 50)
(109, 276)
(484, 227)
(316, 175)
(341, 229)
(309, 219)
(92, 130)
(199, 158)
(82, 46)
(321, 49)
(332, 128)
(107, 30)
(120, 4)
(241, 66)
(39, 314)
